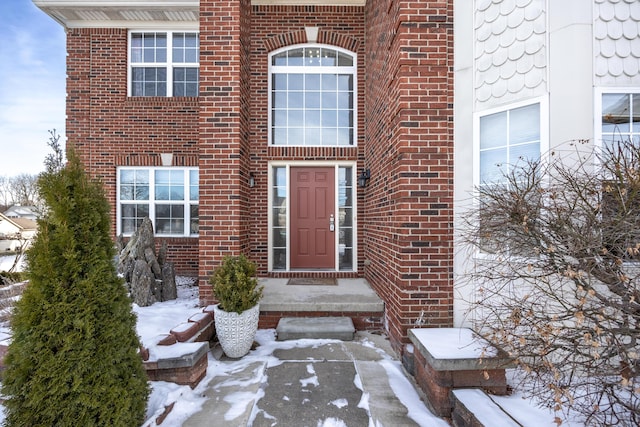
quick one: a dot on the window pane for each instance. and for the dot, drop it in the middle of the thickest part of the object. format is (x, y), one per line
(329, 82)
(279, 259)
(491, 163)
(280, 117)
(295, 99)
(169, 184)
(279, 136)
(329, 118)
(312, 81)
(296, 136)
(615, 112)
(194, 227)
(313, 118)
(329, 136)
(279, 81)
(279, 99)
(279, 59)
(194, 192)
(150, 80)
(185, 81)
(295, 118)
(345, 217)
(279, 237)
(344, 60)
(345, 136)
(520, 154)
(185, 47)
(345, 100)
(345, 118)
(493, 131)
(524, 124)
(312, 136)
(169, 219)
(346, 258)
(328, 58)
(296, 82)
(312, 100)
(295, 57)
(345, 82)
(131, 216)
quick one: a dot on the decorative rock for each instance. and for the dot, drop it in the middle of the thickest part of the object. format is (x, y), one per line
(149, 278)
(142, 284)
(169, 290)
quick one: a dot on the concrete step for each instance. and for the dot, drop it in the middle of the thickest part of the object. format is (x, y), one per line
(293, 328)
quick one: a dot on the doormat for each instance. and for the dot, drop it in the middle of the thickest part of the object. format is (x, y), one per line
(310, 281)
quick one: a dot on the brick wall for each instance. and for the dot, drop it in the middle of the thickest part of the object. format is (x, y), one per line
(409, 203)
(109, 129)
(274, 27)
(405, 137)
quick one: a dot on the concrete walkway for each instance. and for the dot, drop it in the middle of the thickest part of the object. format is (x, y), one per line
(315, 383)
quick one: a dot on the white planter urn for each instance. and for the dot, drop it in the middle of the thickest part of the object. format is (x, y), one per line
(236, 332)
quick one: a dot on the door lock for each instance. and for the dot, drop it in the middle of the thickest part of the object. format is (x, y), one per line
(332, 223)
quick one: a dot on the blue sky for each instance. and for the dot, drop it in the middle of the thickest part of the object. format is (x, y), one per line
(32, 85)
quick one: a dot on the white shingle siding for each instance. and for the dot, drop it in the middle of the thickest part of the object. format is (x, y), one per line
(510, 51)
(616, 32)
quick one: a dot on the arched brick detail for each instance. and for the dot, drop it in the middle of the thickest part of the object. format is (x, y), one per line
(324, 37)
(285, 39)
(338, 39)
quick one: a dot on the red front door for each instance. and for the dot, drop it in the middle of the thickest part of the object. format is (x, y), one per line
(312, 216)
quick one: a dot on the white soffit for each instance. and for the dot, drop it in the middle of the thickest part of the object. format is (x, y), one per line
(128, 13)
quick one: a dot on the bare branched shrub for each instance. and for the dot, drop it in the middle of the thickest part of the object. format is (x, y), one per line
(557, 268)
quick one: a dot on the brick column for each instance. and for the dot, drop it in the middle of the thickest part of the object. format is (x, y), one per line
(408, 211)
(223, 154)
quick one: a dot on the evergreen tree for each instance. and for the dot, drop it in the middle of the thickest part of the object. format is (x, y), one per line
(73, 360)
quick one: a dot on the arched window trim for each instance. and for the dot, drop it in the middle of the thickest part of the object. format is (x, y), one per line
(317, 69)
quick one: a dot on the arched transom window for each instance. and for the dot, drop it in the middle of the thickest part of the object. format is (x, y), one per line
(313, 99)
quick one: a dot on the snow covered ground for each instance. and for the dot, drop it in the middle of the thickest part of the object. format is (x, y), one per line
(161, 317)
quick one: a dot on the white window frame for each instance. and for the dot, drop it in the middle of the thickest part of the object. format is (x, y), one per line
(186, 202)
(169, 65)
(353, 70)
(354, 226)
(597, 114)
(544, 129)
(543, 102)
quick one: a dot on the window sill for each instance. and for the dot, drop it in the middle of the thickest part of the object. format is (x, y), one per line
(163, 100)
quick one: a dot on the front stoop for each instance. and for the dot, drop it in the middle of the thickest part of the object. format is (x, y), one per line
(293, 328)
(473, 408)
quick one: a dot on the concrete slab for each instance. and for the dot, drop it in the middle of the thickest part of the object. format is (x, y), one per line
(230, 400)
(348, 296)
(301, 393)
(293, 328)
(324, 352)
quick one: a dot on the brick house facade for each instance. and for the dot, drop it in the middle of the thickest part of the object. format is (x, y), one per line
(399, 226)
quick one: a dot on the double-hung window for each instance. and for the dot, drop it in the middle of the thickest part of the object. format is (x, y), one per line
(507, 139)
(168, 196)
(164, 63)
(312, 96)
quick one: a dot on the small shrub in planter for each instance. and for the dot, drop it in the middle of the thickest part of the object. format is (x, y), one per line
(237, 313)
(235, 285)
